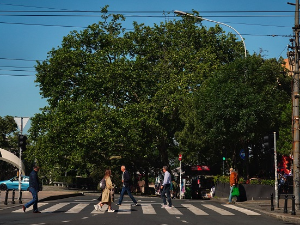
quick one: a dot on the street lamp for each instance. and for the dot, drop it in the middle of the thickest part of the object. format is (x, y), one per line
(187, 14)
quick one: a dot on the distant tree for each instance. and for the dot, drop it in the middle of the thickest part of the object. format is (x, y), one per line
(9, 142)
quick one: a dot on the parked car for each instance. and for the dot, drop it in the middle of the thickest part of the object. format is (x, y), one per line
(13, 183)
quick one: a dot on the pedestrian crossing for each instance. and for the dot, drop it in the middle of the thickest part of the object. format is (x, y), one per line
(146, 208)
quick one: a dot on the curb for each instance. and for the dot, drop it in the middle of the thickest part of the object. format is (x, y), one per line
(281, 216)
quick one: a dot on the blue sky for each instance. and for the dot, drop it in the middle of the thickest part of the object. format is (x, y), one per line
(28, 36)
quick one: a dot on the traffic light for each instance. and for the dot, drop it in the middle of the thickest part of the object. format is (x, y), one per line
(224, 158)
(22, 142)
(269, 140)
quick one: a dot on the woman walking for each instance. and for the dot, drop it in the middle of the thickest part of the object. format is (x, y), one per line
(107, 197)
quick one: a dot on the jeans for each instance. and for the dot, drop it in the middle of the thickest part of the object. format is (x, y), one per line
(165, 190)
(230, 197)
(34, 200)
(127, 189)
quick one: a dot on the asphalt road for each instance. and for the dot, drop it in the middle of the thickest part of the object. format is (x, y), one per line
(80, 210)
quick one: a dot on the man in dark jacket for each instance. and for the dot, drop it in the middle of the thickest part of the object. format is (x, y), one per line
(34, 188)
(126, 186)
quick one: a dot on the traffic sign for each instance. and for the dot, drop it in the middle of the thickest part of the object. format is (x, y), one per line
(180, 157)
(242, 154)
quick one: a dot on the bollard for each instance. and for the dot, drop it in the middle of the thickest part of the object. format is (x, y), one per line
(20, 197)
(6, 197)
(272, 203)
(285, 204)
(13, 197)
(293, 205)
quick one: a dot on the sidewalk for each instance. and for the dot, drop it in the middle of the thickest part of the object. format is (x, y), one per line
(47, 195)
(264, 207)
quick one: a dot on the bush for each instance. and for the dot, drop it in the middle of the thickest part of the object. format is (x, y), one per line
(221, 179)
(225, 180)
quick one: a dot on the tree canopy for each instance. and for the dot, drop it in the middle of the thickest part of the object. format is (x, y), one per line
(126, 97)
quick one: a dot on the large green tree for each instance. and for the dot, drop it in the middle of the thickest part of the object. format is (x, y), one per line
(235, 108)
(115, 96)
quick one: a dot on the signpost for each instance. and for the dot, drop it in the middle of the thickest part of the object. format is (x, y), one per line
(179, 158)
(21, 124)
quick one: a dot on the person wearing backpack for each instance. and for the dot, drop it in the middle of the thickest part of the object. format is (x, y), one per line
(107, 197)
(126, 186)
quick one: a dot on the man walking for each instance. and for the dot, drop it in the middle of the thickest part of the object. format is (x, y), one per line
(34, 188)
(166, 188)
(233, 181)
(126, 186)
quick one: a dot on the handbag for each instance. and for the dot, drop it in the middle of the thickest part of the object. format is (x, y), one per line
(235, 191)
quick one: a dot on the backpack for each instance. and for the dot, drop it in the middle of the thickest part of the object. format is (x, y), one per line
(102, 184)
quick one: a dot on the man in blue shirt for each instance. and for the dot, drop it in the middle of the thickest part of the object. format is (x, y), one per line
(34, 188)
(166, 188)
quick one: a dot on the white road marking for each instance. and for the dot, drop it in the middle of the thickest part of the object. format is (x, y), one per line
(195, 210)
(218, 210)
(124, 209)
(148, 209)
(173, 211)
(28, 209)
(246, 211)
(77, 208)
(54, 207)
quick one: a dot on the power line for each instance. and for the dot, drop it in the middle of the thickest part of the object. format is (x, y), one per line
(141, 16)
(16, 75)
(28, 60)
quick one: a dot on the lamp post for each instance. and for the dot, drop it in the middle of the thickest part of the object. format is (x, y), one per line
(191, 15)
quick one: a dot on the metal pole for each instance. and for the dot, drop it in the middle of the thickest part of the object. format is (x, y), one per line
(20, 157)
(272, 204)
(285, 204)
(187, 14)
(276, 175)
(296, 178)
(223, 168)
(180, 181)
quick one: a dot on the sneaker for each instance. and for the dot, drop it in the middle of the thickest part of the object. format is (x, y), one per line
(36, 212)
(118, 204)
(135, 204)
(96, 207)
(164, 206)
(228, 203)
(110, 210)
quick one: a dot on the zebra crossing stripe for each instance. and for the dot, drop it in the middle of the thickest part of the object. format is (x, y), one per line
(29, 209)
(124, 209)
(173, 211)
(148, 209)
(54, 207)
(218, 210)
(246, 211)
(77, 208)
(195, 210)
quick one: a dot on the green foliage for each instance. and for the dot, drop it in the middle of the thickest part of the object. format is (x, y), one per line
(115, 97)
(236, 106)
(221, 179)
(262, 181)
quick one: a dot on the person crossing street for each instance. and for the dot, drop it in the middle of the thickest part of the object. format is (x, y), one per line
(166, 188)
(34, 188)
(126, 186)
